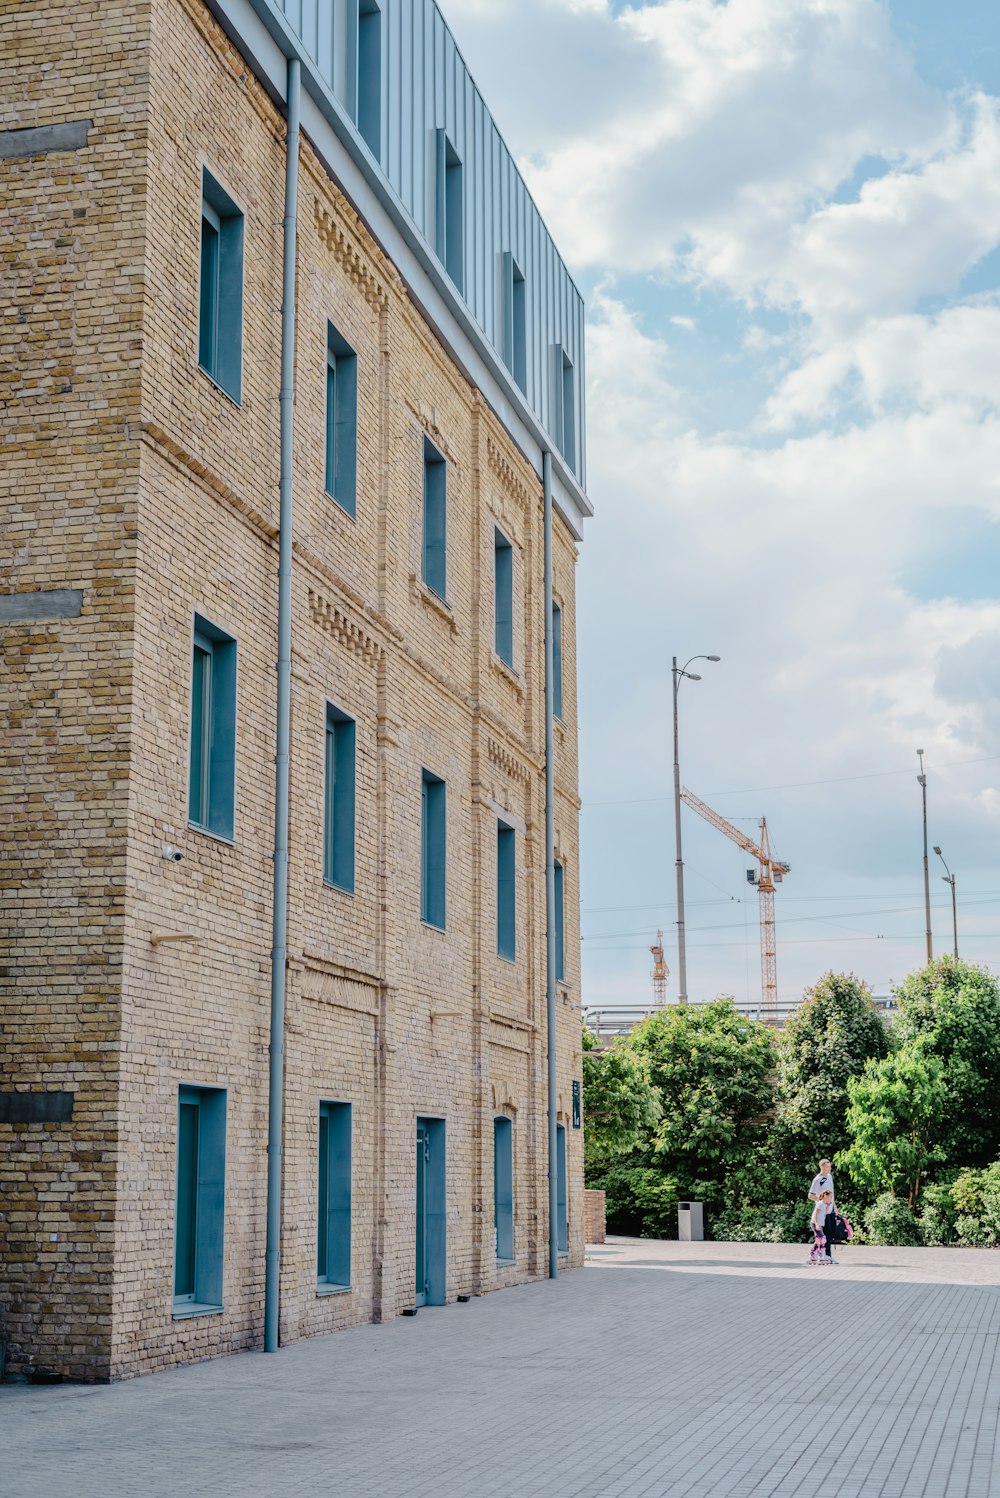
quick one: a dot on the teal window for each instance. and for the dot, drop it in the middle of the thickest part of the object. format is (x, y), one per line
(515, 341)
(450, 210)
(560, 923)
(339, 800)
(562, 1214)
(435, 549)
(341, 421)
(220, 305)
(503, 597)
(506, 892)
(368, 111)
(433, 851)
(557, 661)
(333, 1217)
(565, 405)
(201, 1195)
(212, 777)
(503, 1187)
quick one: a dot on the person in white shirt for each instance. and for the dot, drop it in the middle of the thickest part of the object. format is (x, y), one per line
(817, 1223)
(824, 1182)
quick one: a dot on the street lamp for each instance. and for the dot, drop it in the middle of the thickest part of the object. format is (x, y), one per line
(680, 674)
(949, 878)
(922, 782)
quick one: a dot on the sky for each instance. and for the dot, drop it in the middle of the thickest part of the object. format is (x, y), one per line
(784, 216)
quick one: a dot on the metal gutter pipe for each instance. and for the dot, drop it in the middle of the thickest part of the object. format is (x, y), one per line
(550, 872)
(279, 943)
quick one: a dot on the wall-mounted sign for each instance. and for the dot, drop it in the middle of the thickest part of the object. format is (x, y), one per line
(576, 1105)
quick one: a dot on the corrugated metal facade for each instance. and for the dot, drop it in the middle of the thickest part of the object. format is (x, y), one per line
(425, 88)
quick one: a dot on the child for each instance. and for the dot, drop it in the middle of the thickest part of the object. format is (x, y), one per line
(817, 1224)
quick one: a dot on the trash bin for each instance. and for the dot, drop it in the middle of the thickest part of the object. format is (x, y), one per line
(690, 1222)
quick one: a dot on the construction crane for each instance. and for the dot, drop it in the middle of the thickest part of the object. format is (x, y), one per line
(660, 972)
(768, 873)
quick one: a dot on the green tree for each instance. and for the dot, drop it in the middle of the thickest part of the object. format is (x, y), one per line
(829, 1039)
(896, 1112)
(713, 1070)
(955, 1008)
(620, 1105)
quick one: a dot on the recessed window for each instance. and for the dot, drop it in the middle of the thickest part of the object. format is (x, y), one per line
(220, 308)
(200, 1204)
(506, 892)
(557, 661)
(435, 542)
(562, 1215)
(333, 1217)
(212, 773)
(560, 923)
(339, 799)
(503, 1188)
(564, 401)
(368, 110)
(450, 210)
(515, 327)
(433, 850)
(503, 597)
(341, 421)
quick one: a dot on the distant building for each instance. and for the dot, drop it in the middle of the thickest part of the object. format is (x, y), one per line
(438, 370)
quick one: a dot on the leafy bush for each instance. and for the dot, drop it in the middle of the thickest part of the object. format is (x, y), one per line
(895, 1121)
(937, 1218)
(750, 1224)
(891, 1223)
(620, 1104)
(641, 1202)
(976, 1198)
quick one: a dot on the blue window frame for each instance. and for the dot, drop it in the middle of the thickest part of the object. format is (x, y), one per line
(506, 892)
(435, 545)
(212, 771)
(503, 597)
(199, 1220)
(433, 850)
(450, 210)
(503, 1187)
(557, 661)
(333, 1216)
(562, 1213)
(341, 422)
(368, 94)
(560, 924)
(220, 304)
(339, 799)
(564, 394)
(515, 339)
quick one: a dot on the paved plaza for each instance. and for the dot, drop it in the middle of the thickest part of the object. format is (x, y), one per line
(660, 1368)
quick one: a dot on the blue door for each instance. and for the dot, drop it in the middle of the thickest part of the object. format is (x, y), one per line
(562, 1223)
(423, 1159)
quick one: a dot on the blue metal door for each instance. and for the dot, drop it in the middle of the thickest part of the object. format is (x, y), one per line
(423, 1156)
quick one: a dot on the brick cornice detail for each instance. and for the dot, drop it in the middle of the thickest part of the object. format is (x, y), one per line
(504, 760)
(329, 616)
(504, 471)
(350, 258)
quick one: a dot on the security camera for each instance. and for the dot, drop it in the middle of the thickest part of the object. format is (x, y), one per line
(172, 855)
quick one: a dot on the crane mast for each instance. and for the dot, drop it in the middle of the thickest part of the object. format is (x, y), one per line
(770, 871)
(660, 972)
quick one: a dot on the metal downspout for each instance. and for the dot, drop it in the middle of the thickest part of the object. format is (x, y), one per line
(279, 944)
(550, 874)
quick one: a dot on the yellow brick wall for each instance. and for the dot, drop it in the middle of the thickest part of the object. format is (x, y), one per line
(398, 1019)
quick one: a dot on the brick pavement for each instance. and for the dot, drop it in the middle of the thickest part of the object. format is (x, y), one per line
(661, 1369)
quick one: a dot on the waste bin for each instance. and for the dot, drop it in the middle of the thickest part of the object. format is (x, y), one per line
(690, 1222)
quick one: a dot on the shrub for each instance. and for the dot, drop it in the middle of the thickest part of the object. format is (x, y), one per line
(640, 1202)
(778, 1224)
(890, 1222)
(937, 1219)
(976, 1197)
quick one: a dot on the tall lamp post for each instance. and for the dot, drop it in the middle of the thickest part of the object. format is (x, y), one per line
(680, 674)
(949, 878)
(922, 782)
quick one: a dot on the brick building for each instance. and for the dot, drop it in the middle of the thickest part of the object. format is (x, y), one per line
(437, 377)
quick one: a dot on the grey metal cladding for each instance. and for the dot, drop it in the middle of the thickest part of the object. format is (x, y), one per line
(70, 136)
(426, 87)
(51, 603)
